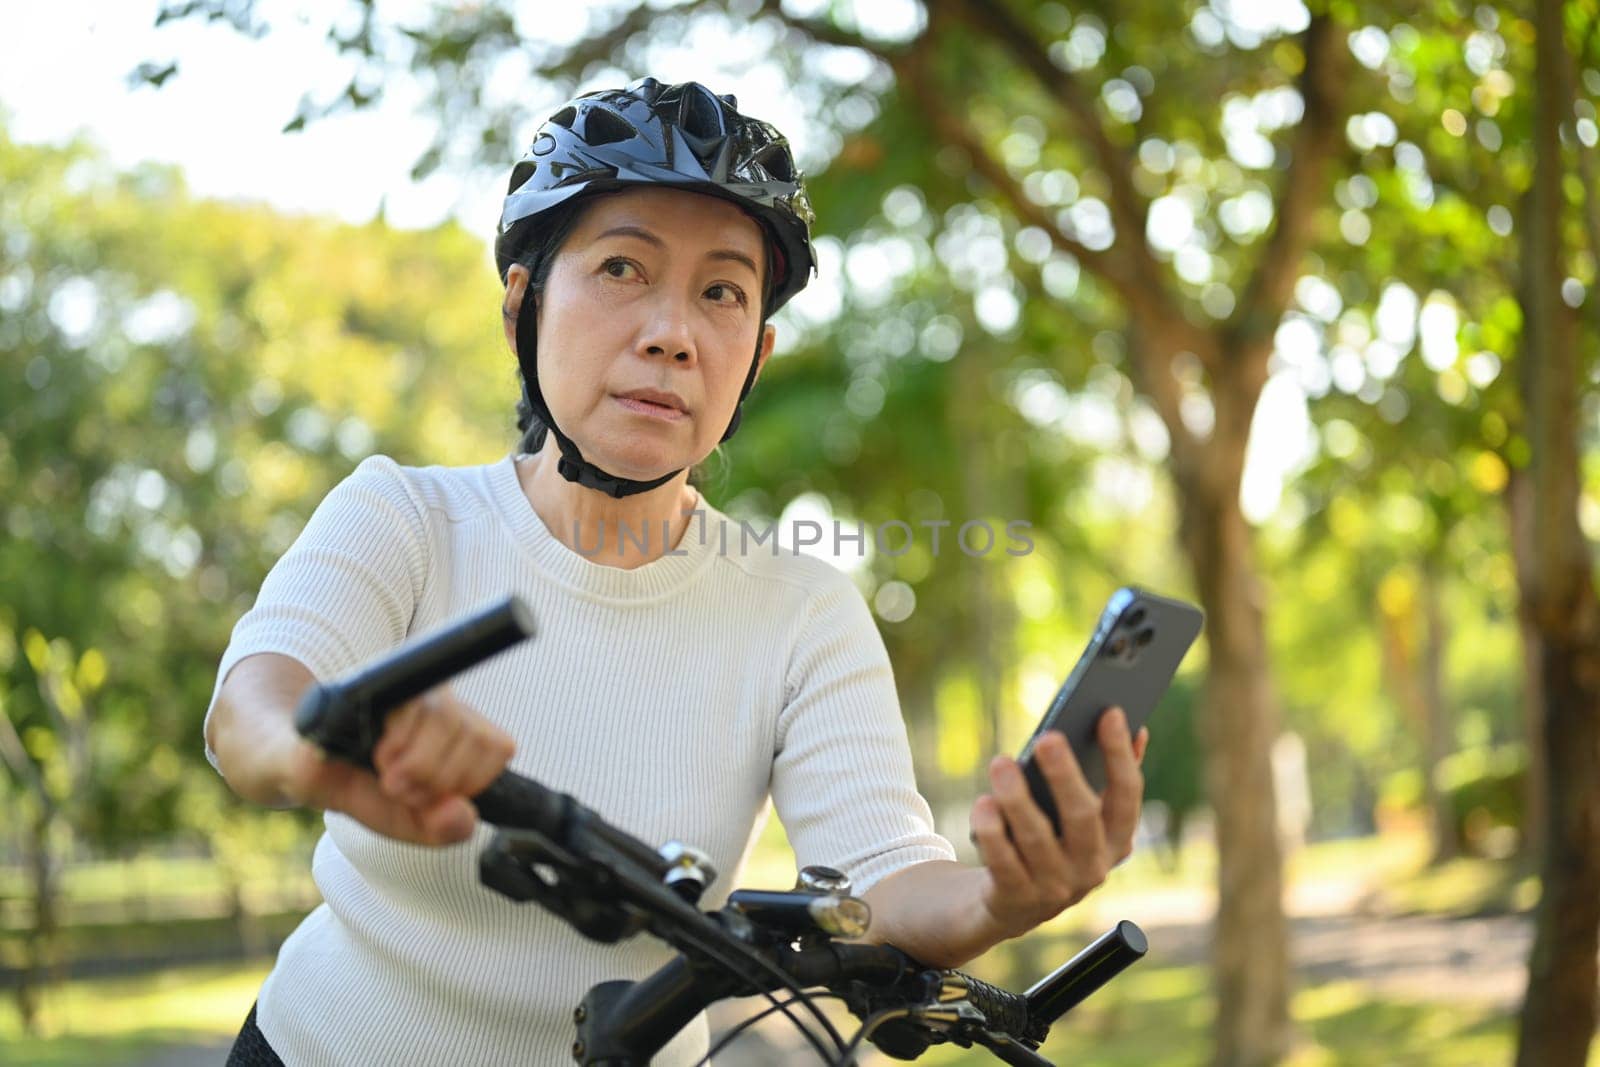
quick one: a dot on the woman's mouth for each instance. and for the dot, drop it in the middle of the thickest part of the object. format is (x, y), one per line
(650, 409)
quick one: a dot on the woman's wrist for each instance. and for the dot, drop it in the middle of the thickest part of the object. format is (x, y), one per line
(255, 759)
(253, 763)
(258, 749)
(937, 911)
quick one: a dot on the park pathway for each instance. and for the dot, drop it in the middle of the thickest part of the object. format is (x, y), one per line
(1413, 957)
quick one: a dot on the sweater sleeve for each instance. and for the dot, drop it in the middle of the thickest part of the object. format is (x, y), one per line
(347, 588)
(842, 779)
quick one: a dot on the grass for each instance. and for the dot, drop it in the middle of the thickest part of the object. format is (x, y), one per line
(157, 940)
(111, 1021)
(1459, 887)
(152, 887)
(1154, 1015)
(1381, 875)
(1159, 1018)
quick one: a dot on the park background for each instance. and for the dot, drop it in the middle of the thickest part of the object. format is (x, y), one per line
(1284, 309)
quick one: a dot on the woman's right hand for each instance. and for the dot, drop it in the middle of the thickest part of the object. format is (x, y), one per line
(435, 753)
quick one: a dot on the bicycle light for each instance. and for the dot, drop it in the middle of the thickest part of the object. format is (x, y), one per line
(815, 878)
(803, 913)
(689, 870)
(841, 916)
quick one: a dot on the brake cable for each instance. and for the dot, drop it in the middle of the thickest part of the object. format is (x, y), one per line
(738, 1030)
(800, 994)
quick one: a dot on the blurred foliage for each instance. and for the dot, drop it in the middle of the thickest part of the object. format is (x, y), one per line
(186, 379)
(966, 366)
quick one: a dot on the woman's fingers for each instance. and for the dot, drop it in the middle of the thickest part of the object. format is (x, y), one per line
(398, 730)
(1030, 829)
(1079, 811)
(441, 821)
(434, 755)
(480, 753)
(411, 771)
(448, 820)
(1068, 788)
(1124, 785)
(995, 847)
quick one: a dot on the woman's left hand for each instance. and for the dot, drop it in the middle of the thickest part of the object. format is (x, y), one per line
(1034, 873)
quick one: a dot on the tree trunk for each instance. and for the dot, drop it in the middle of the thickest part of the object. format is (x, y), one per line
(1519, 516)
(1239, 712)
(1436, 716)
(1559, 1013)
(1238, 724)
(40, 942)
(990, 623)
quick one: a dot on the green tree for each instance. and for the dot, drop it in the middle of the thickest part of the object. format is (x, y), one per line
(1558, 1015)
(191, 378)
(1187, 171)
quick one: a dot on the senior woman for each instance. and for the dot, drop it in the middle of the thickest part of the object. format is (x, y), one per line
(676, 683)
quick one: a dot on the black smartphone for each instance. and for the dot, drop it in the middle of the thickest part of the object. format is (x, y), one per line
(1129, 663)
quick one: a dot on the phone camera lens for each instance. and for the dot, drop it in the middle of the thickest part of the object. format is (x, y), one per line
(1117, 645)
(1144, 637)
(1134, 617)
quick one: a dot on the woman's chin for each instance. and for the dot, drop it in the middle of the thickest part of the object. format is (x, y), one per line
(636, 463)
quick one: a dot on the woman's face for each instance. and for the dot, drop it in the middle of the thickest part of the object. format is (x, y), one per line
(655, 290)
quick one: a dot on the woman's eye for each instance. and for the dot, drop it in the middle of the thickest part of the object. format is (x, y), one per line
(617, 267)
(731, 295)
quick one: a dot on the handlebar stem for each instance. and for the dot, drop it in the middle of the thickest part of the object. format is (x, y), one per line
(624, 1024)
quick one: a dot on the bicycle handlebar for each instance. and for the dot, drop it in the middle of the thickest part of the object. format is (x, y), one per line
(345, 718)
(618, 888)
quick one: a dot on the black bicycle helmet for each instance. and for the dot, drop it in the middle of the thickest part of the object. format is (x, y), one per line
(652, 134)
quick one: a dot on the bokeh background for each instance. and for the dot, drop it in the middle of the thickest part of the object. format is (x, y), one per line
(1284, 308)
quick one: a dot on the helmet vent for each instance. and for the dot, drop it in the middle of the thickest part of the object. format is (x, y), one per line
(521, 173)
(604, 126)
(565, 116)
(774, 159)
(700, 113)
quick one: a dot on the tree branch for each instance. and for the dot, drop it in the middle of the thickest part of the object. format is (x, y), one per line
(605, 44)
(1150, 360)
(1134, 274)
(823, 31)
(1129, 210)
(15, 755)
(1322, 87)
(954, 130)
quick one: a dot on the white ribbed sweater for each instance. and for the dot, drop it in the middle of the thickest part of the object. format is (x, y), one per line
(671, 698)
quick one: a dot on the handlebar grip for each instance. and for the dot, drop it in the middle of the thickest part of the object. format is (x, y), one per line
(1068, 985)
(514, 802)
(1007, 1012)
(345, 718)
(521, 803)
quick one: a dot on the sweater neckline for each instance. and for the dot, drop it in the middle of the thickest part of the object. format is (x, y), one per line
(659, 577)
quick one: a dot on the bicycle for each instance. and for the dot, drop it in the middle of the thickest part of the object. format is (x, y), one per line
(550, 849)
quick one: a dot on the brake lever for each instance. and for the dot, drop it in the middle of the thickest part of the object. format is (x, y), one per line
(1009, 1050)
(508, 865)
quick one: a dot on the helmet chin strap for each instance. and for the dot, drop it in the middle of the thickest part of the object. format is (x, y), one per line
(572, 465)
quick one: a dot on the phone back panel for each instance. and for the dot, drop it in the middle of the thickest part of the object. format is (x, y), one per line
(1129, 663)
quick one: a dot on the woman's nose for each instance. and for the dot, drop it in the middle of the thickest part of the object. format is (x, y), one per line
(667, 332)
(682, 355)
